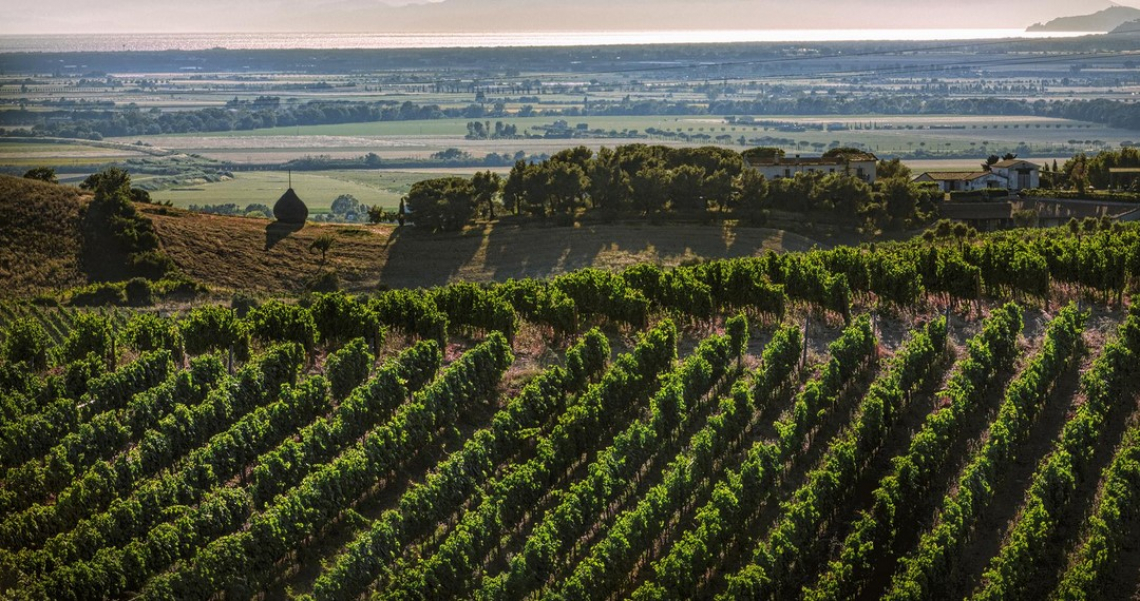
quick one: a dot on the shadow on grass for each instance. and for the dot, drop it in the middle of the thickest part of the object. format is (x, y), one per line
(502, 250)
(421, 258)
(278, 231)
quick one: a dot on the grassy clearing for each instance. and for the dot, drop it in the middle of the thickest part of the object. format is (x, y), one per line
(231, 253)
(318, 190)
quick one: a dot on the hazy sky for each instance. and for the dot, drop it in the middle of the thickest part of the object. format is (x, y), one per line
(381, 16)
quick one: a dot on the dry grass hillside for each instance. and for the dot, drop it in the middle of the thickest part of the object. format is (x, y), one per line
(41, 247)
(231, 252)
(40, 236)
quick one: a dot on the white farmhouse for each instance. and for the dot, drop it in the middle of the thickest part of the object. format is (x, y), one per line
(861, 165)
(1020, 174)
(963, 181)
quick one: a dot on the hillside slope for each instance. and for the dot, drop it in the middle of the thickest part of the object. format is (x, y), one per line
(42, 249)
(1101, 21)
(230, 252)
(40, 236)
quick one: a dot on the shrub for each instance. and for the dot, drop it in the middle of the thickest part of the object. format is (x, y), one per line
(243, 302)
(149, 332)
(349, 367)
(179, 285)
(214, 328)
(325, 281)
(25, 341)
(44, 174)
(340, 317)
(81, 372)
(101, 294)
(152, 265)
(138, 292)
(276, 321)
(90, 333)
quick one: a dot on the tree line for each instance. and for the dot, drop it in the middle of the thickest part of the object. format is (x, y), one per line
(639, 180)
(132, 120)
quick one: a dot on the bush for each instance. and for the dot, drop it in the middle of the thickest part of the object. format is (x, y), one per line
(242, 303)
(78, 374)
(349, 367)
(138, 292)
(149, 332)
(340, 317)
(325, 281)
(90, 333)
(44, 174)
(152, 265)
(25, 341)
(214, 328)
(276, 321)
(179, 285)
(979, 195)
(101, 294)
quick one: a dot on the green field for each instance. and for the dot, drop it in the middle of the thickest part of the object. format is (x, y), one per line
(933, 134)
(318, 190)
(29, 154)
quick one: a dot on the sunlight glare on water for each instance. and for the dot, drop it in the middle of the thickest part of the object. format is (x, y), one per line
(279, 41)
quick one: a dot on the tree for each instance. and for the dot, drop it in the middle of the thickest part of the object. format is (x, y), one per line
(842, 152)
(651, 187)
(513, 189)
(718, 189)
(346, 205)
(487, 186)
(378, 214)
(608, 186)
(762, 153)
(43, 174)
(686, 190)
(579, 155)
(750, 190)
(566, 186)
(901, 199)
(323, 244)
(445, 204)
(402, 214)
(108, 182)
(140, 195)
(846, 193)
(892, 168)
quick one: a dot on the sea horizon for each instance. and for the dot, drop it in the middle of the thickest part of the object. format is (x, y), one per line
(154, 42)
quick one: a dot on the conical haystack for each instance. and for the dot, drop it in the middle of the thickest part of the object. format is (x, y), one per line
(290, 208)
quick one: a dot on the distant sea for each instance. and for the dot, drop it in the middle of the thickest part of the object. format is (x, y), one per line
(327, 41)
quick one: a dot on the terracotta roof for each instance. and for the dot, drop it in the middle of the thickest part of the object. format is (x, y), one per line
(947, 176)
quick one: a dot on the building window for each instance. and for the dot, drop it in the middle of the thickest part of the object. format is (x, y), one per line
(787, 172)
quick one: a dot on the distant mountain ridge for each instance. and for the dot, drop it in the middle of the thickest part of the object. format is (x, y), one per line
(1101, 21)
(1129, 27)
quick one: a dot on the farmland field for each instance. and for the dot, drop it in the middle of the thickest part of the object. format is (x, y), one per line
(934, 135)
(812, 424)
(23, 154)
